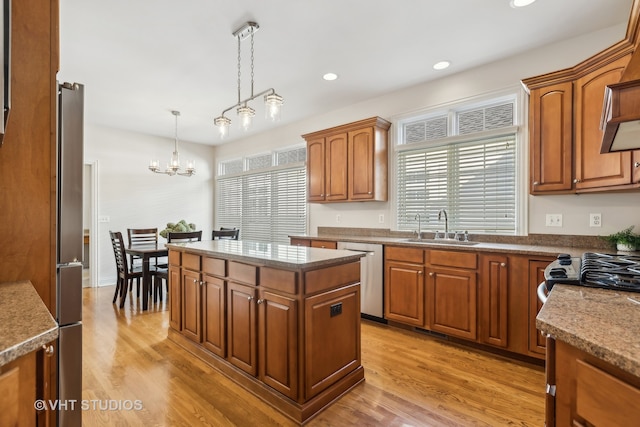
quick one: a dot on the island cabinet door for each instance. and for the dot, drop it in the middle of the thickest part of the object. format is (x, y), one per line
(191, 305)
(213, 311)
(241, 327)
(175, 298)
(278, 343)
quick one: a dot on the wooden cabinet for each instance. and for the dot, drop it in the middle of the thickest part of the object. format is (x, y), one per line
(291, 336)
(452, 293)
(551, 138)
(537, 342)
(592, 392)
(175, 291)
(565, 110)
(315, 243)
(404, 289)
(494, 299)
(348, 162)
(18, 388)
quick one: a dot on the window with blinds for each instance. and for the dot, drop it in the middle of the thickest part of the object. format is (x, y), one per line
(473, 176)
(267, 203)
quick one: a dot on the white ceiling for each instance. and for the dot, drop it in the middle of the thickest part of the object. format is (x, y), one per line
(140, 59)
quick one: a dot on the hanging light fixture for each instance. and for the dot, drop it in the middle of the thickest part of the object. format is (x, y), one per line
(273, 101)
(173, 168)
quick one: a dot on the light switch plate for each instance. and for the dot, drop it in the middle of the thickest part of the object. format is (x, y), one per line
(554, 220)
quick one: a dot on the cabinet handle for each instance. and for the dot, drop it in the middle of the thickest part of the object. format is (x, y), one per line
(636, 164)
(203, 283)
(48, 350)
(260, 301)
(577, 423)
(369, 192)
(430, 274)
(503, 264)
(535, 183)
(576, 180)
(250, 298)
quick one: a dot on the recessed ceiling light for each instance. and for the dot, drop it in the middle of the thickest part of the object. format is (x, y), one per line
(441, 65)
(520, 3)
(330, 76)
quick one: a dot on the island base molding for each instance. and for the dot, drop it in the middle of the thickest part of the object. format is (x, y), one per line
(298, 412)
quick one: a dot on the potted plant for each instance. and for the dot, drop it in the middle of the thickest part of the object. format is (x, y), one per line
(625, 240)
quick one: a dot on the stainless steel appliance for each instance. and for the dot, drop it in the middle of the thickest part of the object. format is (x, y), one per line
(371, 269)
(69, 251)
(608, 271)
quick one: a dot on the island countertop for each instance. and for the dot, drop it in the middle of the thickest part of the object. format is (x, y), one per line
(269, 254)
(602, 322)
(25, 322)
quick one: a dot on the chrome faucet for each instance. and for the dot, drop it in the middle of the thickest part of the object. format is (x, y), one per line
(446, 222)
(419, 226)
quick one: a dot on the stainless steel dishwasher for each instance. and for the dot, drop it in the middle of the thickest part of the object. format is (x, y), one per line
(371, 270)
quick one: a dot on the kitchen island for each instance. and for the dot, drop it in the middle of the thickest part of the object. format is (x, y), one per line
(281, 321)
(593, 356)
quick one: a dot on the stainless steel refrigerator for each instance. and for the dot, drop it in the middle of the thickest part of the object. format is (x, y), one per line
(70, 115)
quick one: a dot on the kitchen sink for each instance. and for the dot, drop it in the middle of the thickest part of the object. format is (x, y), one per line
(441, 242)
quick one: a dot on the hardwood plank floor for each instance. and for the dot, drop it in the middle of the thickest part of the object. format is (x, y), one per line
(411, 379)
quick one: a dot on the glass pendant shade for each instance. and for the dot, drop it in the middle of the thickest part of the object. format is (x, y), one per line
(273, 106)
(246, 115)
(222, 123)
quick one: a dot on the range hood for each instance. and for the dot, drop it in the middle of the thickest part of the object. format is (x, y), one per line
(621, 110)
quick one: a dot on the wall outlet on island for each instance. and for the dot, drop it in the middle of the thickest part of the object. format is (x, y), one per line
(554, 220)
(381, 218)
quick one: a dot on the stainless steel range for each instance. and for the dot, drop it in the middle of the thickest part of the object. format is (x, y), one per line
(596, 270)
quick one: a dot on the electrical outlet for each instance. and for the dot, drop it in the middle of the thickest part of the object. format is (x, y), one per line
(336, 309)
(338, 218)
(595, 220)
(381, 218)
(104, 218)
(554, 220)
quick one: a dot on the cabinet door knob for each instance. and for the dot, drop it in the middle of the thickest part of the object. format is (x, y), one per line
(503, 264)
(535, 183)
(48, 350)
(432, 274)
(250, 298)
(369, 192)
(575, 181)
(260, 301)
(637, 164)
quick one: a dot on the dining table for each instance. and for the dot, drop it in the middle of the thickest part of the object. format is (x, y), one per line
(146, 253)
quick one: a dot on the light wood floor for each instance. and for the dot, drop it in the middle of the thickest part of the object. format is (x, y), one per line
(410, 379)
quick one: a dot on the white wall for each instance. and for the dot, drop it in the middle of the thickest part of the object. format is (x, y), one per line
(133, 197)
(618, 210)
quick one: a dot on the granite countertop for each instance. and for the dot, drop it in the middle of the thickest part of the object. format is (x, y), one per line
(543, 249)
(269, 254)
(25, 322)
(601, 322)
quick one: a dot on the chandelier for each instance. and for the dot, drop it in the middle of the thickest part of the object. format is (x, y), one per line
(173, 167)
(273, 101)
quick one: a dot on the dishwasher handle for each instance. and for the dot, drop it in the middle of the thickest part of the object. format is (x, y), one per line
(358, 250)
(542, 292)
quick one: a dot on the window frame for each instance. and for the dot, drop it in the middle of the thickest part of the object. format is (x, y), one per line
(519, 129)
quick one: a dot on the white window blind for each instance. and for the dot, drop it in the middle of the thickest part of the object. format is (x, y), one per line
(267, 205)
(474, 181)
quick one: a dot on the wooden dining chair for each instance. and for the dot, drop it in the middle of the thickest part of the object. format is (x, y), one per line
(126, 274)
(184, 237)
(144, 237)
(225, 233)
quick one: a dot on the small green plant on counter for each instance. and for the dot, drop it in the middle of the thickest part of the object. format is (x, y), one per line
(625, 237)
(180, 226)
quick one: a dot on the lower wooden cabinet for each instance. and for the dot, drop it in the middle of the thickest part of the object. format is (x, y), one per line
(315, 243)
(241, 327)
(191, 305)
(537, 342)
(214, 310)
(494, 299)
(592, 392)
(175, 297)
(404, 293)
(452, 301)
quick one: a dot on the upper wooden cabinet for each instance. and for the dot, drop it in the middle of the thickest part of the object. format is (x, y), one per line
(565, 110)
(348, 162)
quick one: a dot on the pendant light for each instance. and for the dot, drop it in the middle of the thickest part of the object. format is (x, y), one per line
(173, 167)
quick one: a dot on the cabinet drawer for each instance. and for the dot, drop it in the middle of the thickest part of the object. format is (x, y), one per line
(602, 399)
(331, 277)
(174, 257)
(191, 262)
(214, 266)
(243, 273)
(404, 254)
(325, 244)
(279, 280)
(453, 259)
